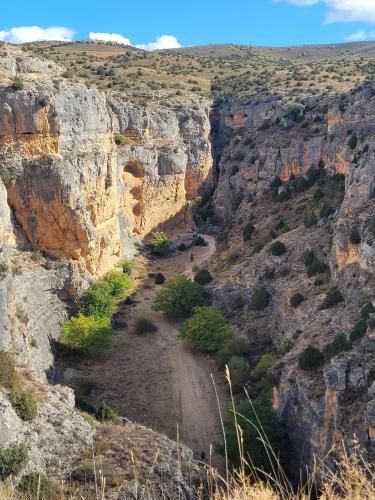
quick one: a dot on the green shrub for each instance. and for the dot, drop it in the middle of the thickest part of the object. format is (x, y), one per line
(207, 329)
(296, 299)
(159, 279)
(239, 372)
(310, 219)
(248, 231)
(5, 175)
(178, 297)
(354, 236)
(257, 421)
(278, 248)
(17, 84)
(260, 299)
(359, 330)
(366, 310)
(120, 139)
(24, 404)
(236, 347)
(258, 247)
(97, 301)
(104, 413)
(340, 343)
(236, 200)
(313, 264)
(333, 298)
(8, 374)
(318, 194)
(127, 266)
(36, 485)
(310, 358)
(88, 334)
(144, 325)
(119, 283)
(160, 244)
(12, 460)
(3, 270)
(326, 210)
(266, 361)
(203, 277)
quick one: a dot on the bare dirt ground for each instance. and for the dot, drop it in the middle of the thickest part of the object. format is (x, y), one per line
(154, 379)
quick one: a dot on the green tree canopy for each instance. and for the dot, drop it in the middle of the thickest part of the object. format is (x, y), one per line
(178, 297)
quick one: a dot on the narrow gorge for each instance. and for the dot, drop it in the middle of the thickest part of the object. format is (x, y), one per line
(283, 193)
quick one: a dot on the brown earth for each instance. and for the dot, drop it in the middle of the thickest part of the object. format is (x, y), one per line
(154, 379)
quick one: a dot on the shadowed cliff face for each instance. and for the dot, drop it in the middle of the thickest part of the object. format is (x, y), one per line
(255, 141)
(78, 195)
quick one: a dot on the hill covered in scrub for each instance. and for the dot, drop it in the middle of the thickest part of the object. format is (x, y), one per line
(269, 150)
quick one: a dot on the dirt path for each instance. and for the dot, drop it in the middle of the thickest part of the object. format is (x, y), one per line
(155, 379)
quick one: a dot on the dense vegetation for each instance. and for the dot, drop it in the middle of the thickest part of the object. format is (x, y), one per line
(178, 297)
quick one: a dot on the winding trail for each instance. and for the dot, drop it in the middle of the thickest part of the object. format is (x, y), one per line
(155, 379)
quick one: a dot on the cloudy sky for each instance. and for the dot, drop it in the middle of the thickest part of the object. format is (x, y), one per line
(160, 24)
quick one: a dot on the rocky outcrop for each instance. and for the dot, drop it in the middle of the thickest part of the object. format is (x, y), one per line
(78, 195)
(257, 142)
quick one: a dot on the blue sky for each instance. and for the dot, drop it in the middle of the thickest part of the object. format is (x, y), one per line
(192, 22)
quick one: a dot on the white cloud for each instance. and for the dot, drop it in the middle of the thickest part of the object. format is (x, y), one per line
(109, 37)
(25, 34)
(360, 36)
(342, 10)
(162, 42)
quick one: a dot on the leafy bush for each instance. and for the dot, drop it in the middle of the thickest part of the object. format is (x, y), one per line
(340, 343)
(178, 297)
(12, 460)
(238, 347)
(267, 360)
(7, 370)
(278, 248)
(160, 244)
(239, 372)
(97, 301)
(354, 236)
(325, 210)
(333, 297)
(203, 277)
(310, 358)
(260, 299)
(257, 420)
(5, 175)
(118, 283)
(24, 404)
(104, 413)
(318, 194)
(236, 200)
(127, 266)
(313, 264)
(248, 231)
(120, 139)
(366, 310)
(207, 329)
(36, 485)
(296, 299)
(144, 325)
(88, 334)
(159, 279)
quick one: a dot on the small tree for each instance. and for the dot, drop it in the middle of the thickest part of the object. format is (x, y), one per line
(296, 299)
(203, 277)
(119, 283)
(248, 231)
(97, 301)
(36, 485)
(160, 244)
(87, 333)
(239, 372)
(238, 347)
(332, 298)
(207, 329)
(278, 248)
(267, 360)
(178, 297)
(104, 413)
(310, 358)
(260, 298)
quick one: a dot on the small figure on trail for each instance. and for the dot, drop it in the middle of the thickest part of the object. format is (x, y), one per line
(191, 257)
(203, 455)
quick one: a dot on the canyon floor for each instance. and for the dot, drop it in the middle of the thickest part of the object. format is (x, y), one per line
(154, 379)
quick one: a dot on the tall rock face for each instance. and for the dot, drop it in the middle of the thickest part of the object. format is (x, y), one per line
(75, 193)
(256, 143)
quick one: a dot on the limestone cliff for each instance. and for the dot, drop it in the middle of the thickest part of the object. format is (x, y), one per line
(75, 193)
(257, 142)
